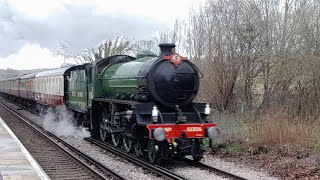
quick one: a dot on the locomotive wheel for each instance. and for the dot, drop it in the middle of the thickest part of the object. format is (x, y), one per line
(116, 137)
(114, 125)
(152, 151)
(104, 128)
(137, 149)
(127, 143)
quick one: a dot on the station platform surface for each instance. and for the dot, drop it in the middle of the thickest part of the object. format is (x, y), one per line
(16, 163)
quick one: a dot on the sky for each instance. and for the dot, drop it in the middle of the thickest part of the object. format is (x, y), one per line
(32, 30)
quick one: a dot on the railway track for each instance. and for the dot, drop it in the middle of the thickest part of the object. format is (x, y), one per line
(161, 171)
(213, 170)
(56, 157)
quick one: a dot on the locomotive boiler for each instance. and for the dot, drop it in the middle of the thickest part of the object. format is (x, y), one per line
(168, 81)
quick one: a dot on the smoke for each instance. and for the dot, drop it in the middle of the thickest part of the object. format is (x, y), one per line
(60, 122)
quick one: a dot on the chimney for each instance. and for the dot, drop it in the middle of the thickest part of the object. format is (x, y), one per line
(167, 49)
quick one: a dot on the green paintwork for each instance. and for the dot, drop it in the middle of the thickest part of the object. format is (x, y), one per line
(96, 81)
(90, 94)
(120, 80)
(146, 53)
(78, 94)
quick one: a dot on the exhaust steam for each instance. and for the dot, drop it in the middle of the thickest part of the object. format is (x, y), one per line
(60, 121)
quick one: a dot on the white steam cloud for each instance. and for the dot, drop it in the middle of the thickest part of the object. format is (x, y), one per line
(60, 122)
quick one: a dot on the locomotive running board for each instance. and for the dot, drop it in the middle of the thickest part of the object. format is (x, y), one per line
(119, 101)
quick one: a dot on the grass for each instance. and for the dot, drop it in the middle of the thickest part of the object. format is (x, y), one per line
(234, 127)
(271, 130)
(317, 147)
(235, 148)
(279, 130)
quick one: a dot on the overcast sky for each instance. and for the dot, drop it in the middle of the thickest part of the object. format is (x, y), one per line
(31, 30)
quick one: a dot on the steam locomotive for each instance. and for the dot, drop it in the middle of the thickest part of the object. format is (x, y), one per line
(143, 103)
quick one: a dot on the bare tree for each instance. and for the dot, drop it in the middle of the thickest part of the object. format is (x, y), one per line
(258, 54)
(150, 45)
(119, 45)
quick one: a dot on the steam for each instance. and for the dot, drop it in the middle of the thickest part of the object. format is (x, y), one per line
(60, 122)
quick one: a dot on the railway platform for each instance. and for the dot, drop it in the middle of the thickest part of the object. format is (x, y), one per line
(16, 163)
